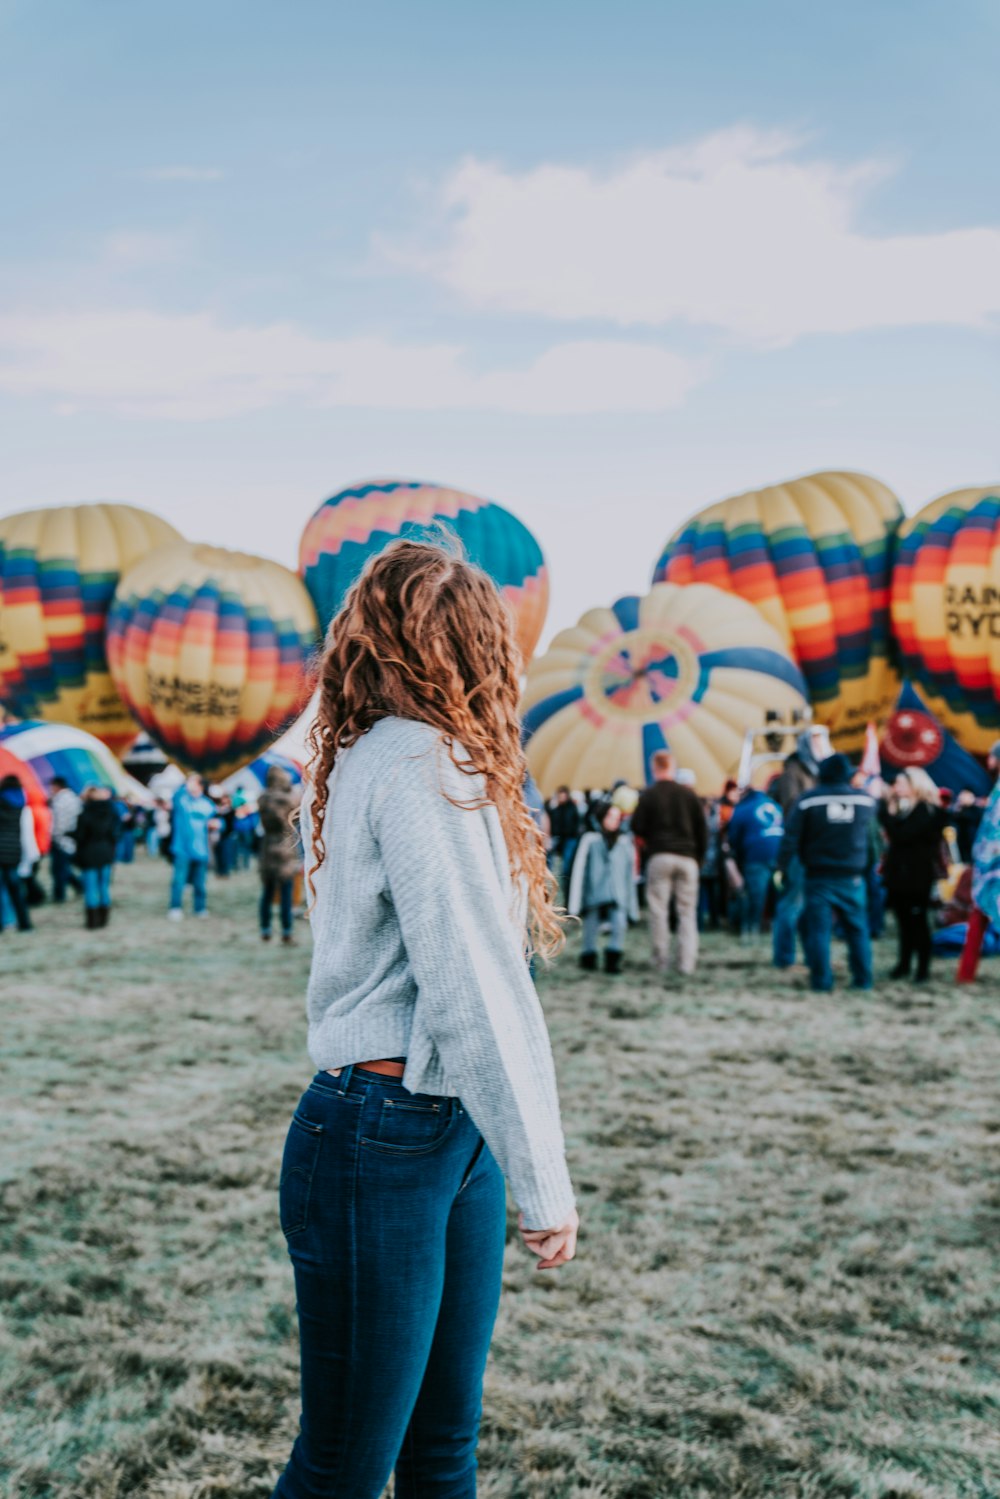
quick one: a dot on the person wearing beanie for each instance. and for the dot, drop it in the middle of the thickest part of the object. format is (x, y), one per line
(829, 831)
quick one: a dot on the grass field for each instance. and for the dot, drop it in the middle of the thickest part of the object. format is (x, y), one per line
(787, 1282)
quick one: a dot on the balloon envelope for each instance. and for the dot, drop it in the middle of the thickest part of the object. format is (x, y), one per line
(946, 611)
(58, 749)
(11, 765)
(357, 523)
(213, 652)
(689, 669)
(252, 779)
(815, 556)
(58, 571)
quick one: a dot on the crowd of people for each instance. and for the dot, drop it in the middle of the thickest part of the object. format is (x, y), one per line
(824, 850)
(194, 830)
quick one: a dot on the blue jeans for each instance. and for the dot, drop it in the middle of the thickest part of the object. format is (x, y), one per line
(592, 926)
(757, 882)
(13, 901)
(125, 852)
(845, 897)
(565, 850)
(96, 887)
(787, 916)
(197, 871)
(64, 876)
(284, 891)
(394, 1213)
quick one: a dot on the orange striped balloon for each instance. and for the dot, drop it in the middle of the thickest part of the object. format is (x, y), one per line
(213, 651)
(946, 611)
(815, 556)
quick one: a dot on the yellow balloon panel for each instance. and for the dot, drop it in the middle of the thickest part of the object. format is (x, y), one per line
(686, 668)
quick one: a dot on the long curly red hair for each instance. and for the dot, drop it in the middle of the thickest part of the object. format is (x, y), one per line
(423, 634)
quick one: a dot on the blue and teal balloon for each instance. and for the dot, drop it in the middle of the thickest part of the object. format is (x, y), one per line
(357, 523)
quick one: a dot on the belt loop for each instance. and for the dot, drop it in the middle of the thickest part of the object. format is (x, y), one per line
(345, 1077)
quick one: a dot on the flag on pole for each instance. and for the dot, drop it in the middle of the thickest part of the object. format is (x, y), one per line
(871, 761)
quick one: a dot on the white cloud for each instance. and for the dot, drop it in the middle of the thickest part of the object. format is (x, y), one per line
(132, 248)
(735, 232)
(183, 174)
(146, 364)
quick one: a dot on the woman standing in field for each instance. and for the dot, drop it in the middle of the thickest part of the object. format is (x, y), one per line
(435, 1073)
(914, 823)
(98, 830)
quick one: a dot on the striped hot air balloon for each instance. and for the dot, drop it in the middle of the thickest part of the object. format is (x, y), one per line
(213, 652)
(34, 792)
(357, 523)
(689, 669)
(946, 611)
(815, 556)
(58, 572)
(59, 749)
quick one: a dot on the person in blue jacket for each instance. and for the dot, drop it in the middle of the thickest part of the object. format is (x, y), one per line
(193, 819)
(829, 830)
(754, 836)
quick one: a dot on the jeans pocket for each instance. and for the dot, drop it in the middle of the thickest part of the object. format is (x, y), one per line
(411, 1127)
(298, 1166)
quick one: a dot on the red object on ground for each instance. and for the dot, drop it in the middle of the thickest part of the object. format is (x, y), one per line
(10, 765)
(969, 961)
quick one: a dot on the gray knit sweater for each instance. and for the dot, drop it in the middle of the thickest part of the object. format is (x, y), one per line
(419, 952)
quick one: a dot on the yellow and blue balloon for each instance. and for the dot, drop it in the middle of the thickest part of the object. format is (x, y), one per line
(684, 668)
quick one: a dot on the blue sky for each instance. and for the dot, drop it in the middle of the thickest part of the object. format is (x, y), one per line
(603, 264)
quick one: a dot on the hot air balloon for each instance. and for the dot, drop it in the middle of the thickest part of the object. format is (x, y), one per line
(58, 571)
(58, 749)
(815, 556)
(212, 651)
(946, 611)
(686, 668)
(357, 523)
(34, 794)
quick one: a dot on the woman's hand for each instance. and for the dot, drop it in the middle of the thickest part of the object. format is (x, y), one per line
(554, 1246)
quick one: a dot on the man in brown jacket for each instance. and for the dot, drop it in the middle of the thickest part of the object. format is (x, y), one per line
(671, 824)
(280, 851)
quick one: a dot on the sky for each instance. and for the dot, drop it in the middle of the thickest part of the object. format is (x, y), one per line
(602, 264)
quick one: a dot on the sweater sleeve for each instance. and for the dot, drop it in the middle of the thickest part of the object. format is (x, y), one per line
(472, 977)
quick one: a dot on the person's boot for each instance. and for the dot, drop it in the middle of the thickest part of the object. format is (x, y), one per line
(588, 960)
(105, 915)
(612, 961)
(91, 917)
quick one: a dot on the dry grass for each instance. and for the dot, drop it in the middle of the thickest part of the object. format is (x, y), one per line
(788, 1275)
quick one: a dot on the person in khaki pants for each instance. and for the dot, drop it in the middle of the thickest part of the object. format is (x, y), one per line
(670, 821)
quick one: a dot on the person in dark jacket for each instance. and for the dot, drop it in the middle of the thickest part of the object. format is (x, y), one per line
(799, 775)
(914, 823)
(17, 842)
(754, 836)
(966, 817)
(564, 833)
(98, 830)
(670, 821)
(829, 831)
(280, 851)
